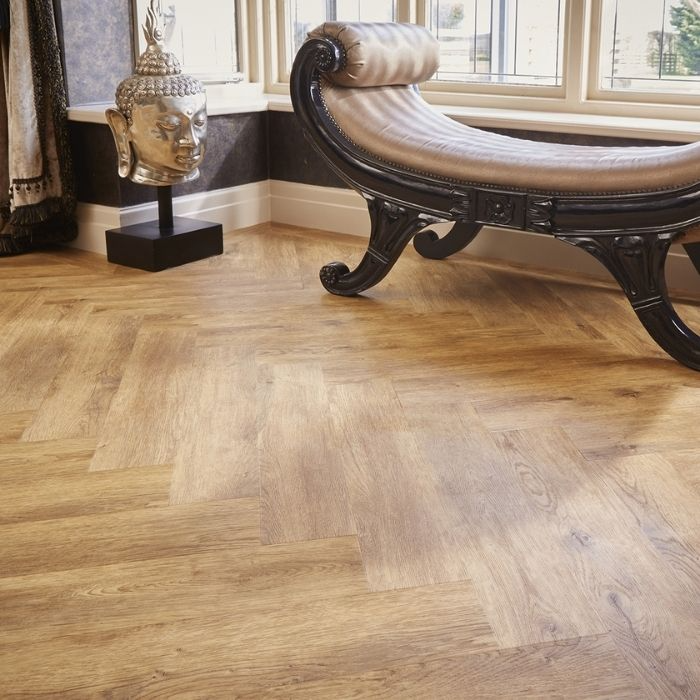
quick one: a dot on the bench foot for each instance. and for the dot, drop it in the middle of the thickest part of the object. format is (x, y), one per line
(430, 245)
(392, 228)
(637, 263)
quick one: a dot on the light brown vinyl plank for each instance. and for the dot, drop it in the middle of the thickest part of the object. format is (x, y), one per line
(242, 579)
(12, 425)
(687, 462)
(79, 396)
(249, 649)
(65, 495)
(303, 491)
(513, 556)
(650, 612)
(144, 422)
(86, 541)
(30, 462)
(651, 428)
(585, 669)
(216, 456)
(43, 339)
(405, 535)
(664, 505)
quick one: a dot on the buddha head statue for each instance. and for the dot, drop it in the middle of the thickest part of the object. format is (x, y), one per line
(160, 123)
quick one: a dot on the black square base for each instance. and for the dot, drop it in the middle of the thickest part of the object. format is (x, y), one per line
(148, 247)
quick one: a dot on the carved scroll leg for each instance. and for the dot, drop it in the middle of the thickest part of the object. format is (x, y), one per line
(693, 251)
(430, 245)
(637, 263)
(392, 228)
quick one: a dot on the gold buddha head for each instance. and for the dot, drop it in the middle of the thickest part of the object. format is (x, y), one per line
(160, 123)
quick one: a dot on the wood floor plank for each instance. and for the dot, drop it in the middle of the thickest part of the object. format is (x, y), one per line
(30, 462)
(687, 462)
(585, 669)
(303, 489)
(144, 420)
(644, 431)
(65, 495)
(404, 534)
(79, 396)
(650, 613)
(89, 540)
(12, 425)
(244, 578)
(249, 649)
(216, 456)
(663, 503)
(29, 364)
(528, 593)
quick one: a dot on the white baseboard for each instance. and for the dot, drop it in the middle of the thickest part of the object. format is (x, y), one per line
(345, 211)
(233, 207)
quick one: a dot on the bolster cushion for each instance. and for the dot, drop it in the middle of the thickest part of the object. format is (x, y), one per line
(382, 53)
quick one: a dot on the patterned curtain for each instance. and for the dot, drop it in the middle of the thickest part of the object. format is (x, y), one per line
(37, 199)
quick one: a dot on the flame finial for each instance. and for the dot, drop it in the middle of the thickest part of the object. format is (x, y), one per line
(153, 27)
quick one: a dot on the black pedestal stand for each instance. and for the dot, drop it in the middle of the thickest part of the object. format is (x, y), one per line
(168, 242)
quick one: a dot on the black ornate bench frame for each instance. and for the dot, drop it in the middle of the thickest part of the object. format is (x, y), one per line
(628, 233)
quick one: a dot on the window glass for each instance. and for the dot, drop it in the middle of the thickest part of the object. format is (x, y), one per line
(651, 45)
(499, 41)
(207, 49)
(305, 15)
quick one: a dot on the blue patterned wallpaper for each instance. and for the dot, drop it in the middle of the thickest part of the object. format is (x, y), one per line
(98, 48)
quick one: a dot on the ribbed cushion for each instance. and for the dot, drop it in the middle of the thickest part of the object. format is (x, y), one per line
(382, 53)
(395, 125)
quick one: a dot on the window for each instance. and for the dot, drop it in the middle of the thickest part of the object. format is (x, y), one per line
(499, 41)
(206, 49)
(304, 15)
(650, 46)
(609, 58)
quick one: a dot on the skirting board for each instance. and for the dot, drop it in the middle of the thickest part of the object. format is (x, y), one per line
(233, 207)
(344, 211)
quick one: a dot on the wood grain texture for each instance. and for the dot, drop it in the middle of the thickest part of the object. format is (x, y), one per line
(79, 396)
(639, 598)
(585, 669)
(145, 417)
(476, 481)
(405, 537)
(258, 644)
(88, 540)
(216, 456)
(44, 338)
(303, 490)
(528, 592)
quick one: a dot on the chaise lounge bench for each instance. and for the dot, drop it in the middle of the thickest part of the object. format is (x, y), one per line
(354, 90)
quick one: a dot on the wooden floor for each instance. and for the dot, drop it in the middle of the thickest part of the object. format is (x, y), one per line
(219, 481)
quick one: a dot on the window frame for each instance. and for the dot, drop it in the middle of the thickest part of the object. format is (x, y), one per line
(219, 78)
(578, 94)
(597, 93)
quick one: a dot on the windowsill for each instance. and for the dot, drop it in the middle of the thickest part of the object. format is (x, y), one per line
(231, 98)
(240, 99)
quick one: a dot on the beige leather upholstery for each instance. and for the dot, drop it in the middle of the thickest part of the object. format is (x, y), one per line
(382, 53)
(395, 125)
(391, 122)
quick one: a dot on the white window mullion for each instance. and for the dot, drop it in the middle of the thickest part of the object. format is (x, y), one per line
(576, 41)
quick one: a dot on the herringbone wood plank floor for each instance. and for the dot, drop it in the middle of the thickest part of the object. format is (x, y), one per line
(476, 481)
